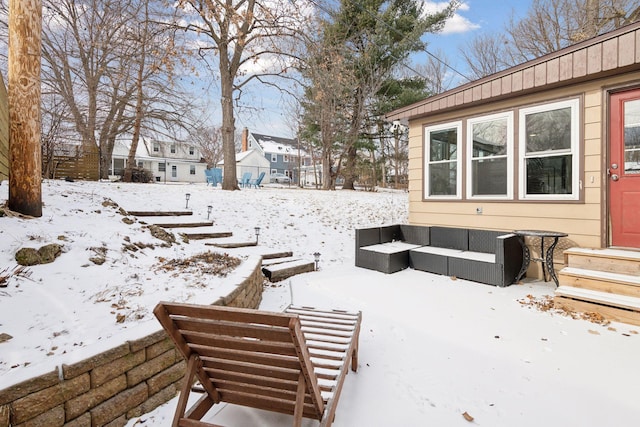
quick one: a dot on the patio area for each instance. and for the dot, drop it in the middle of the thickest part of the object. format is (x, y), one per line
(433, 349)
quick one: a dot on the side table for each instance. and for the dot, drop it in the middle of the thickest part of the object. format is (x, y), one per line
(546, 258)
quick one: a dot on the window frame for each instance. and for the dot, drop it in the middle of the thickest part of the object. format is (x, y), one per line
(192, 169)
(509, 116)
(574, 150)
(426, 160)
(274, 158)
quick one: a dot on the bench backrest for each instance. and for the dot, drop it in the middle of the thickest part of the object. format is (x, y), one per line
(451, 238)
(249, 357)
(484, 240)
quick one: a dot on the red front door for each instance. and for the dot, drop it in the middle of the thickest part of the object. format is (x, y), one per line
(624, 169)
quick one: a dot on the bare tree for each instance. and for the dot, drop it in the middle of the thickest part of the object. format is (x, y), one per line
(208, 140)
(484, 54)
(240, 33)
(548, 26)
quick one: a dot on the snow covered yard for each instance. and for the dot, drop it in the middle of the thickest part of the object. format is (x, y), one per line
(432, 349)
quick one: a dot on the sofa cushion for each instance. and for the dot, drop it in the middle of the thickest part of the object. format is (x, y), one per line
(390, 233)
(475, 256)
(367, 236)
(390, 247)
(416, 234)
(484, 240)
(451, 238)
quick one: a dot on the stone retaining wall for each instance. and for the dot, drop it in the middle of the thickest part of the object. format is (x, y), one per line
(114, 386)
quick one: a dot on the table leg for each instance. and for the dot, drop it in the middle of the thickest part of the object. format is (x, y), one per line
(549, 261)
(542, 259)
(526, 259)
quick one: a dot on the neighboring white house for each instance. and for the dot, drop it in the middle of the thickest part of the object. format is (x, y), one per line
(167, 161)
(250, 161)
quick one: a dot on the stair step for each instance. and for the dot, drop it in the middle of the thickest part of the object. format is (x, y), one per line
(183, 224)
(602, 281)
(609, 260)
(284, 270)
(199, 233)
(604, 298)
(617, 308)
(159, 213)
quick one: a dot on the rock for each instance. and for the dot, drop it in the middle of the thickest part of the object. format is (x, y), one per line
(5, 337)
(162, 234)
(49, 253)
(27, 256)
(44, 255)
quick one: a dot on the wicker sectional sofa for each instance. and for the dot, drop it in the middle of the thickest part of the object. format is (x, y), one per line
(485, 256)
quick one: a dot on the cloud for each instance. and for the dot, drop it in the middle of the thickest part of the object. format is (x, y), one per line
(457, 24)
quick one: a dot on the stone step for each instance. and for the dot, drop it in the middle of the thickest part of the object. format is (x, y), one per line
(175, 224)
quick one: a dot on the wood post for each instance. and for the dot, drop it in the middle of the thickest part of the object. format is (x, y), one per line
(25, 167)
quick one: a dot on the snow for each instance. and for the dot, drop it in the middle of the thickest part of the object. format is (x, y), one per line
(431, 348)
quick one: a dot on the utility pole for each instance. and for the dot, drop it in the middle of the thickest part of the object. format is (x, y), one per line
(25, 166)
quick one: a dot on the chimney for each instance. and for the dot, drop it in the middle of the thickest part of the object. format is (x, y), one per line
(245, 139)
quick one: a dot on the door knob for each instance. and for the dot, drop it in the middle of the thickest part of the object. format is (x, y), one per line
(614, 177)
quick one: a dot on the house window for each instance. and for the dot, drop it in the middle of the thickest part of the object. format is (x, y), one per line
(156, 147)
(140, 165)
(192, 169)
(549, 151)
(274, 171)
(490, 156)
(174, 171)
(192, 150)
(274, 158)
(285, 158)
(162, 167)
(442, 161)
(173, 149)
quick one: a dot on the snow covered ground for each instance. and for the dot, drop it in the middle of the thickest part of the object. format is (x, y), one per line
(431, 348)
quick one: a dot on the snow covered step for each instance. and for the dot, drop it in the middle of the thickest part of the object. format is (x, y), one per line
(177, 223)
(159, 213)
(604, 281)
(198, 233)
(608, 260)
(620, 308)
(284, 270)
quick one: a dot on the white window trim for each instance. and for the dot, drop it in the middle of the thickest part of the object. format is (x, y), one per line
(510, 155)
(574, 104)
(427, 131)
(274, 157)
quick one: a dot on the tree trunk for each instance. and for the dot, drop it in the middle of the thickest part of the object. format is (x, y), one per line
(350, 168)
(230, 178)
(25, 171)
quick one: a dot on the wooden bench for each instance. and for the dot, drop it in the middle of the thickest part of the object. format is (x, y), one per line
(293, 362)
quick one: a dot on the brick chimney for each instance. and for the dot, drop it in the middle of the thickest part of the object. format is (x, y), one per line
(245, 139)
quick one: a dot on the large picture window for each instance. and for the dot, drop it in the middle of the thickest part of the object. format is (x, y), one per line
(442, 161)
(490, 156)
(549, 151)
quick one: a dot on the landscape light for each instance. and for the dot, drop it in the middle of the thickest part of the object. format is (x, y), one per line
(209, 209)
(186, 206)
(316, 257)
(257, 230)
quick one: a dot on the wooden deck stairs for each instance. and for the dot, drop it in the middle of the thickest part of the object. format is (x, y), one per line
(603, 281)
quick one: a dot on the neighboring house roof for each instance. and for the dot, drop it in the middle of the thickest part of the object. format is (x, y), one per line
(279, 145)
(249, 156)
(610, 54)
(121, 149)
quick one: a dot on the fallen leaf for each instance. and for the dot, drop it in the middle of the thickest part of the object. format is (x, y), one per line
(591, 331)
(467, 417)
